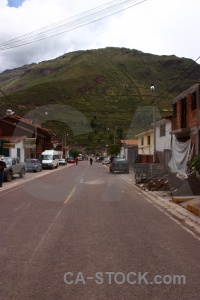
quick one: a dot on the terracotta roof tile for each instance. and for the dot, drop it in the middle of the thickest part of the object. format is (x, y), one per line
(13, 139)
(130, 142)
(26, 121)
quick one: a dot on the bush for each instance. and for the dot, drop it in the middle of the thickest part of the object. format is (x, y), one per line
(73, 153)
(194, 163)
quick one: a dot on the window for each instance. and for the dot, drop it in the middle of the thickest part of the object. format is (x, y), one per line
(47, 157)
(19, 153)
(148, 140)
(175, 110)
(162, 130)
(193, 101)
(142, 141)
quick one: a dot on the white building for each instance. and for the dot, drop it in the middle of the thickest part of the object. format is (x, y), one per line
(145, 146)
(163, 142)
(129, 149)
(163, 139)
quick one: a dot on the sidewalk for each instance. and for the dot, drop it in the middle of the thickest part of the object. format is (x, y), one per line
(186, 197)
(16, 181)
(191, 203)
(184, 205)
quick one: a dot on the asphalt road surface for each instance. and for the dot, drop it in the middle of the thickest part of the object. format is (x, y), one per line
(81, 233)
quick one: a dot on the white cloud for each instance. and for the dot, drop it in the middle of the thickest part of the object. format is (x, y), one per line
(159, 27)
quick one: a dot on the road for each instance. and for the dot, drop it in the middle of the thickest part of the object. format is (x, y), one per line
(81, 233)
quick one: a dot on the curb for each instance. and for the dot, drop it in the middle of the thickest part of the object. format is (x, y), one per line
(179, 199)
(174, 208)
(194, 208)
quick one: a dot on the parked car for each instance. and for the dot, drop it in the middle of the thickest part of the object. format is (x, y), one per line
(105, 161)
(63, 161)
(33, 165)
(50, 159)
(71, 160)
(14, 166)
(119, 164)
(99, 159)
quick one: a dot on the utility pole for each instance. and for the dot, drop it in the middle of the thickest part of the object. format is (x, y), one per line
(36, 133)
(62, 145)
(65, 144)
(154, 123)
(113, 135)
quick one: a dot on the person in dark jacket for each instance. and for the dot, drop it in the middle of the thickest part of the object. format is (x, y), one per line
(91, 160)
(2, 167)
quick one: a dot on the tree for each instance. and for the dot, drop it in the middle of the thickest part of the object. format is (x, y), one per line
(114, 149)
(93, 123)
(73, 153)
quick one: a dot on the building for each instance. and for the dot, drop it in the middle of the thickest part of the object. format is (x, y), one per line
(186, 116)
(185, 128)
(20, 137)
(163, 142)
(145, 146)
(129, 149)
(163, 139)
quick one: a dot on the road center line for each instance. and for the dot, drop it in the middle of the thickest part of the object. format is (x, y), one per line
(69, 196)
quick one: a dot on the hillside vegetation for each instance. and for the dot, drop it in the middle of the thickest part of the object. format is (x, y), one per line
(106, 85)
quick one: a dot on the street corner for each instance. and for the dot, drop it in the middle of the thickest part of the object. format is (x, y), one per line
(193, 206)
(181, 199)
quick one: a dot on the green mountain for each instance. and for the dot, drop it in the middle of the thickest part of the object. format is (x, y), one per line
(106, 85)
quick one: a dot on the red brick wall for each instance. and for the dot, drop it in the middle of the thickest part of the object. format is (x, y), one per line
(190, 117)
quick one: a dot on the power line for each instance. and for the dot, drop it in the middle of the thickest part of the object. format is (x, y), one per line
(163, 96)
(72, 23)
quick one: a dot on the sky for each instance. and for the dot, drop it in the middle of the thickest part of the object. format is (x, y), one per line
(161, 27)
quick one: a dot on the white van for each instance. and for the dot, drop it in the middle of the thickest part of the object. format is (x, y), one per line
(80, 157)
(50, 159)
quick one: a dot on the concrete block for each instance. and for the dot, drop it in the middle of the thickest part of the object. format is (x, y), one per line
(181, 199)
(195, 209)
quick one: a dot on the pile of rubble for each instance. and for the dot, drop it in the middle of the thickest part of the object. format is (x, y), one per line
(161, 184)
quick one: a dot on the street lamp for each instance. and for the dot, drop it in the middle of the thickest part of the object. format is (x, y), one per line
(154, 123)
(66, 138)
(37, 117)
(35, 121)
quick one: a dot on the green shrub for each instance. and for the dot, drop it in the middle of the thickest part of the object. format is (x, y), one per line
(194, 163)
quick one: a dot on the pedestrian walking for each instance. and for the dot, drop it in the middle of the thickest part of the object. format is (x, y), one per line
(76, 160)
(2, 167)
(91, 160)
